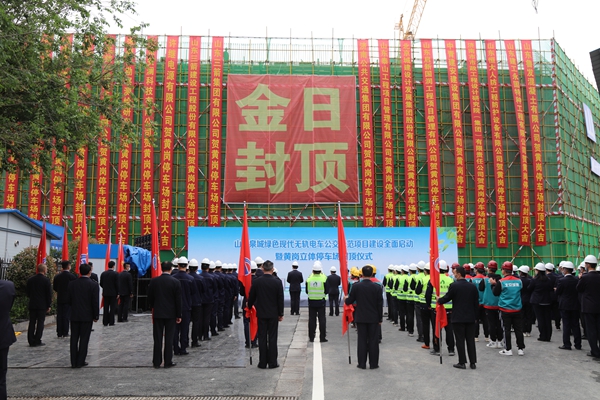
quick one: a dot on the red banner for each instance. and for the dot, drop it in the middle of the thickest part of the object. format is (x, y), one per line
(11, 189)
(147, 181)
(431, 131)
(410, 143)
(79, 190)
(293, 139)
(496, 123)
(168, 126)
(525, 225)
(57, 190)
(460, 178)
(536, 144)
(389, 209)
(478, 148)
(215, 124)
(36, 183)
(124, 179)
(366, 134)
(191, 187)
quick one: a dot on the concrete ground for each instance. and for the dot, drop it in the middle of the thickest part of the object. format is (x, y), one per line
(120, 366)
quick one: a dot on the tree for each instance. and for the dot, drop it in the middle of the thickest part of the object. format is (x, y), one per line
(56, 84)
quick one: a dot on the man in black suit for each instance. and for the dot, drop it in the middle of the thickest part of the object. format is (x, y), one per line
(63, 309)
(93, 275)
(266, 294)
(39, 291)
(367, 316)
(164, 298)
(125, 293)
(85, 310)
(295, 280)
(7, 334)
(188, 293)
(465, 308)
(568, 304)
(334, 281)
(589, 287)
(109, 280)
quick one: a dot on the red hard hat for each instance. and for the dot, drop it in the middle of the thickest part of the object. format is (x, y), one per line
(507, 265)
(493, 265)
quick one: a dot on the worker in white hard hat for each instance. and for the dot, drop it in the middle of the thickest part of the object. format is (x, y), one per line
(568, 303)
(259, 263)
(248, 343)
(527, 308)
(208, 299)
(295, 279)
(542, 289)
(589, 287)
(387, 283)
(189, 296)
(423, 307)
(554, 277)
(334, 281)
(197, 302)
(223, 295)
(317, 288)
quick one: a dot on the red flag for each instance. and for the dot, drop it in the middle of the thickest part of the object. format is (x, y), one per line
(82, 251)
(107, 257)
(65, 245)
(155, 251)
(120, 255)
(41, 255)
(245, 275)
(441, 319)
(347, 314)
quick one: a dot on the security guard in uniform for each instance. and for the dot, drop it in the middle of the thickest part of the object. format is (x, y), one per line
(445, 282)
(387, 280)
(317, 288)
(423, 306)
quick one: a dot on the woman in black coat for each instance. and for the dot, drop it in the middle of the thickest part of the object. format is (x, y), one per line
(541, 289)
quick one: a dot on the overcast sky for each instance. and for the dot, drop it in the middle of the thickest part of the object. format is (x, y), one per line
(574, 23)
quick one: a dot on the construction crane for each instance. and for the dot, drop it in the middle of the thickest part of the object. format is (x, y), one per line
(413, 22)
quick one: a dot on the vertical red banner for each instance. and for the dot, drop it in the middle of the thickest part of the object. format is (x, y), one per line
(478, 148)
(124, 179)
(496, 123)
(168, 135)
(215, 125)
(410, 143)
(389, 213)
(536, 143)
(431, 131)
(366, 134)
(460, 190)
(11, 189)
(191, 187)
(57, 190)
(103, 186)
(147, 181)
(35, 194)
(79, 189)
(513, 69)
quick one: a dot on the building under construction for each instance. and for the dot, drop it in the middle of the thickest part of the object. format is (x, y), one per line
(493, 137)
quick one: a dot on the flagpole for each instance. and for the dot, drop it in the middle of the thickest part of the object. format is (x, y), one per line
(440, 341)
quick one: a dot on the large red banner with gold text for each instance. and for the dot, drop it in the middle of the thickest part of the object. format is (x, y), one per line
(513, 69)
(36, 182)
(168, 135)
(498, 156)
(389, 213)
(191, 187)
(460, 190)
(536, 144)
(11, 189)
(410, 143)
(291, 139)
(214, 133)
(478, 148)
(79, 190)
(431, 132)
(366, 134)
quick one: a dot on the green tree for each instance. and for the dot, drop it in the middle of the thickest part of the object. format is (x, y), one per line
(53, 93)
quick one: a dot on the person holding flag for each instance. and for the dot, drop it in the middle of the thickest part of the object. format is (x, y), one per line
(440, 311)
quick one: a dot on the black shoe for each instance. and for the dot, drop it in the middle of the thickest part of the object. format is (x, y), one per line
(41, 344)
(324, 340)
(374, 366)
(331, 315)
(420, 340)
(237, 317)
(564, 348)
(254, 345)
(247, 346)
(577, 348)
(460, 366)
(311, 340)
(195, 344)
(84, 365)
(111, 324)
(170, 365)
(220, 329)
(215, 334)
(473, 366)
(184, 353)
(274, 366)
(262, 366)
(361, 366)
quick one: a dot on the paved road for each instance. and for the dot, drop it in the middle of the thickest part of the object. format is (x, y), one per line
(120, 365)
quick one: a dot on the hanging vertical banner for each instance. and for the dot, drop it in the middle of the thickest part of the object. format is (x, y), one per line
(513, 69)
(536, 144)
(389, 213)
(215, 124)
(57, 189)
(103, 186)
(147, 181)
(35, 194)
(431, 131)
(366, 134)
(11, 189)
(478, 148)
(191, 186)
(79, 189)
(460, 190)
(410, 143)
(168, 135)
(124, 179)
(496, 123)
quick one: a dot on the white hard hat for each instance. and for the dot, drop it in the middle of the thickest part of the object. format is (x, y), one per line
(568, 265)
(582, 265)
(183, 260)
(175, 261)
(443, 265)
(405, 268)
(234, 266)
(193, 262)
(218, 264)
(205, 261)
(549, 266)
(427, 266)
(212, 265)
(421, 264)
(391, 266)
(295, 264)
(333, 269)
(540, 267)
(412, 267)
(317, 266)
(515, 269)
(590, 259)
(259, 260)
(524, 269)
(274, 270)
(560, 264)
(253, 265)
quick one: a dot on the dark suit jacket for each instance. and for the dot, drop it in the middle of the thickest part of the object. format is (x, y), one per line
(369, 302)
(61, 285)
(39, 292)
(525, 291)
(541, 291)
(589, 287)
(566, 290)
(188, 289)
(109, 280)
(125, 283)
(94, 277)
(266, 294)
(164, 297)
(295, 279)
(83, 298)
(334, 281)
(7, 298)
(465, 301)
